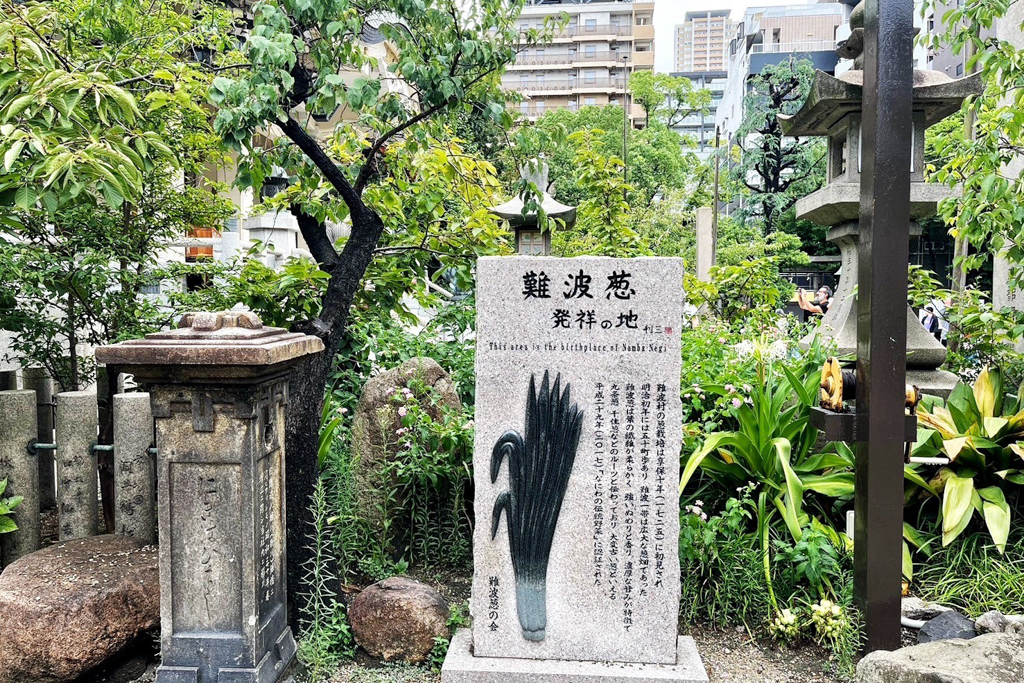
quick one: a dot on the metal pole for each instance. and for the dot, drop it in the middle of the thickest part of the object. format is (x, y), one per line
(882, 319)
(714, 204)
(625, 123)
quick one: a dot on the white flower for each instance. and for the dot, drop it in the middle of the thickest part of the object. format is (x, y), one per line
(736, 403)
(747, 388)
(402, 411)
(778, 349)
(744, 349)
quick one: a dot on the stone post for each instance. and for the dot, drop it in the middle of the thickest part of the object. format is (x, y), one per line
(76, 465)
(134, 475)
(17, 430)
(705, 243)
(218, 387)
(37, 380)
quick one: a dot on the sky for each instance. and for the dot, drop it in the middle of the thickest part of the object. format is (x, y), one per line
(668, 13)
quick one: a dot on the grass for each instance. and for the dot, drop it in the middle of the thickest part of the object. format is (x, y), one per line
(971, 576)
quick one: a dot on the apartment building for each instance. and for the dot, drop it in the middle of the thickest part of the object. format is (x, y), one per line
(700, 128)
(588, 63)
(769, 35)
(702, 41)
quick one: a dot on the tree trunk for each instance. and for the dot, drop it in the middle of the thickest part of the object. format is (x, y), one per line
(302, 433)
(307, 387)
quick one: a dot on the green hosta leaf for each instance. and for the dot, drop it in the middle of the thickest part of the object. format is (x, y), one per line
(908, 563)
(994, 426)
(997, 515)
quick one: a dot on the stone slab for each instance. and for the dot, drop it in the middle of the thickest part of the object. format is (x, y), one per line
(610, 589)
(838, 203)
(990, 658)
(705, 243)
(460, 666)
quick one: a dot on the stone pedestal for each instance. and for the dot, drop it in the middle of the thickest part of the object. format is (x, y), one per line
(218, 387)
(578, 431)
(19, 468)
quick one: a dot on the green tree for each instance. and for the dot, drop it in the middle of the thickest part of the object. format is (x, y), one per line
(667, 99)
(989, 211)
(776, 170)
(78, 82)
(451, 55)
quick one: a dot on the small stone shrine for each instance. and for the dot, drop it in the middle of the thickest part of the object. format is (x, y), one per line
(578, 432)
(218, 387)
(530, 239)
(833, 110)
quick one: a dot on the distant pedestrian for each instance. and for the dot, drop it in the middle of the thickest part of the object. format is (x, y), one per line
(816, 307)
(931, 321)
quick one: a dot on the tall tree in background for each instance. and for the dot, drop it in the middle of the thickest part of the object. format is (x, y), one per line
(776, 170)
(451, 54)
(667, 99)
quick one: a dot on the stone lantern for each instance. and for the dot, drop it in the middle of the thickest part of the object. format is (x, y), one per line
(218, 386)
(530, 239)
(833, 110)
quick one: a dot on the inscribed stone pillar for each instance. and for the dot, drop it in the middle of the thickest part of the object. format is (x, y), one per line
(38, 380)
(218, 387)
(134, 476)
(19, 468)
(76, 465)
(705, 243)
(578, 433)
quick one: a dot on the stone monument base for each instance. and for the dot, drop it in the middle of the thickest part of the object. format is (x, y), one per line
(460, 666)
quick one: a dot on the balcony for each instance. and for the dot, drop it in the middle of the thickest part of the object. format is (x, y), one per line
(593, 31)
(570, 59)
(564, 86)
(798, 46)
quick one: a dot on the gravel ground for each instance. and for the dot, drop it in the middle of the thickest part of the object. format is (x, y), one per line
(728, 656)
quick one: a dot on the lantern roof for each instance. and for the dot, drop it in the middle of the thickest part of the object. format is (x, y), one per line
(832, 98)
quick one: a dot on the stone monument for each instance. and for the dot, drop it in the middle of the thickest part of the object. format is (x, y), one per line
(218, 386)
(833, 109)
(578, 432)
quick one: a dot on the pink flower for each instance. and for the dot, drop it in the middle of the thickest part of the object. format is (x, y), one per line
(736, 403)
(402, 411)
(730, 388)
(343, 411)
(746, 388)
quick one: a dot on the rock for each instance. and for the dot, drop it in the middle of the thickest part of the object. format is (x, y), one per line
(919, 610)
(69, 607)
(990, 658)
(991, 622)
(376, 420)
(1015, 624)
(947, 626)
(398, 619)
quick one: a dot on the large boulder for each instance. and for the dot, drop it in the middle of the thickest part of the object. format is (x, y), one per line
(397, 619)
(67, 608)
(377, 420)
(990, 658)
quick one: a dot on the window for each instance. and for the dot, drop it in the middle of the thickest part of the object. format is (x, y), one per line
(959, 69)
(540, 107)
(590, 25)
(591, 51)
(531, 243)
(590, 76)
(524, 107)
(590, 101)
(643, 21)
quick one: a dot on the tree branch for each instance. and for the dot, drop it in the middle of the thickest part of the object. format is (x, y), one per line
(364, 173)
(316, 238)
(312, 149)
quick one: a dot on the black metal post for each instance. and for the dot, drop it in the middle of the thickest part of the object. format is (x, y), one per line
(882, 315)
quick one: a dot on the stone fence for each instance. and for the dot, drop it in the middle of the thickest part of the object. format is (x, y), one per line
(48, 454)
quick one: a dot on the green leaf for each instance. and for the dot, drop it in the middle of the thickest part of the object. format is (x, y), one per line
(7, 525)
(25, 197)
(997, 515)
(956, 506)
